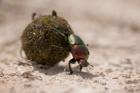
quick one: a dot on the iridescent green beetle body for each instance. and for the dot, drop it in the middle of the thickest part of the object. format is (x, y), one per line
(79, 52)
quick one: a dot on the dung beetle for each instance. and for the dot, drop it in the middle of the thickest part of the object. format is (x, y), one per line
(79, 52)
(49, 39)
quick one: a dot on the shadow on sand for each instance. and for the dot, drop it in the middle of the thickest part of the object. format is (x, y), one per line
(60, 69)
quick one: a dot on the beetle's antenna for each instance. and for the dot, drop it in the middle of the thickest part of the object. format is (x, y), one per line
(54, 13)
(91, 65)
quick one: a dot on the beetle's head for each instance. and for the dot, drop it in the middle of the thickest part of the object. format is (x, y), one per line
(83, 63)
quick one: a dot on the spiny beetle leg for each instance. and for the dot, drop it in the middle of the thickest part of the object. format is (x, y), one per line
(80, 68)
(72, 61)
(34, 15)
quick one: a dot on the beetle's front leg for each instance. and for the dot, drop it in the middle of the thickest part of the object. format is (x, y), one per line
(80, 68)
(72, 61)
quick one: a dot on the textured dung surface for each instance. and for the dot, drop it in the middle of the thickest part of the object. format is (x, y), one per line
(45, 40)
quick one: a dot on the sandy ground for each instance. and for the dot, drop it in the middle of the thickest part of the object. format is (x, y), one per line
(111, 28)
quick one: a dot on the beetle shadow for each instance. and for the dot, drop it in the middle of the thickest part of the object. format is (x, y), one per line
(47, 69)
(84, 75)
(60, 69)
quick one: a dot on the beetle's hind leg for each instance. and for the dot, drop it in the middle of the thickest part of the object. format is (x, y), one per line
(72, 61)
(34, 15)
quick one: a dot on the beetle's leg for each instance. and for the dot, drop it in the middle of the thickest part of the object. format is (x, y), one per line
(70, 69)
(80, 68)
(54, 13)
(72, 61)
(34, 15)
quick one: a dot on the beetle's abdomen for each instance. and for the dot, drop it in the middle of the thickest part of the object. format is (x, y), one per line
(80, 52)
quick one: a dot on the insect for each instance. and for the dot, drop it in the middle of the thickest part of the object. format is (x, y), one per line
(49, 39)
(79, 52)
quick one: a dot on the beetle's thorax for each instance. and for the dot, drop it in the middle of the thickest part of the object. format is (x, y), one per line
(75, 40)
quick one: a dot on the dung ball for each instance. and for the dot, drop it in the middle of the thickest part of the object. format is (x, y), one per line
(45, 39)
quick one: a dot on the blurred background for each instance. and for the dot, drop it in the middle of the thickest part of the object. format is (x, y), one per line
(111, 28)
